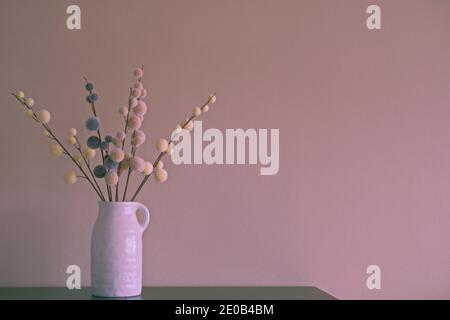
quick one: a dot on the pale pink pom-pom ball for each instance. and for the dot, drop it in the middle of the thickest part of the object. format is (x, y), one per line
(160, 164)
(133, 102)
(111, 178)
(138, 85)
(141, 108)
(43, 116)
(136, 93)
(117, 155)
(72, 132)
(138, 140)
(138, 73)
(137, 164)
(121, 135)
(134, 122)
(205, 109)
(144, 93)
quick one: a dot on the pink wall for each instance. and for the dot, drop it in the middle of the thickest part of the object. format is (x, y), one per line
(364, 127)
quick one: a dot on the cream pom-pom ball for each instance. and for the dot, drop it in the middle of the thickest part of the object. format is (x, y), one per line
(197, 111)
(56, 150)
(77, 157)
(212, 98)
(88, 153)
(111, 178)
(72, 132)
(43, 116)
(162, 145)
(20, 94)
(72, 140)
(117, 155)
(70, 177)
(45, 133)
(205, 109)
(137, 164)
(29, 113)
(161, 175)
(160, 164)
(134, 122)
(29, 102)
(148, 168)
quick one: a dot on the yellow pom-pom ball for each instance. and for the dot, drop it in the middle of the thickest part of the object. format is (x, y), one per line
(70, 177)
(148, 168)
(160, 164)
(43, 116)
(161, 175)
(56, 150)
(72, 132)
(29, 113)
(88, 153)
(29, 102)
(77, 157)
(45, 133)
(20, 94)
(162, 145)
(72, 140)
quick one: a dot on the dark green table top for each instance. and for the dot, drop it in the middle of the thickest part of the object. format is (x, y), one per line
(172, 293)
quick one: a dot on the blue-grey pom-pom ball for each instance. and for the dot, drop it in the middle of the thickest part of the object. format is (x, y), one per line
(100, 171)
(93, 142)
(93, 97)
(104, 145)
(110, 164)
(109, 139)
(92, 124)
(89, 86)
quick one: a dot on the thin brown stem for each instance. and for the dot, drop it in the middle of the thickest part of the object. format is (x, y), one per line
(46, 127)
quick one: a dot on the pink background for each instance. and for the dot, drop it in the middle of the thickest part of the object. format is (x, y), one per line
(364, 152)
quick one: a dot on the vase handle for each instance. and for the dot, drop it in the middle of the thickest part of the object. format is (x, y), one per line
(146, 221)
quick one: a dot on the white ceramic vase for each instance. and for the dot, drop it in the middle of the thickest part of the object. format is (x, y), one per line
(116, 249)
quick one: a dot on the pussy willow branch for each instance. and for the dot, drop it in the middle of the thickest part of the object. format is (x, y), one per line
(123, 141)
(46, 127)
(162, 154)
(100, 138)
(133, 148)
(78, 147)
